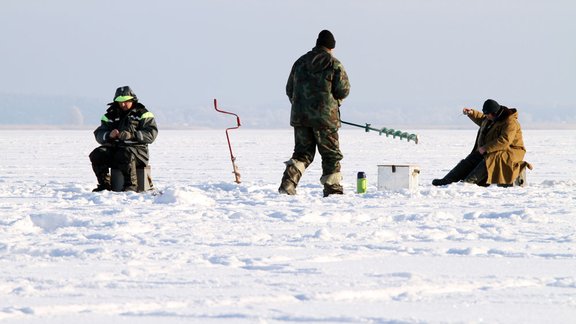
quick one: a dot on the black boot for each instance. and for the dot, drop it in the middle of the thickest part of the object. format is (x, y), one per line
(102, 187)
(478, 176)
(103, 177)
(441, 182)
(130, 176)
(459, 172)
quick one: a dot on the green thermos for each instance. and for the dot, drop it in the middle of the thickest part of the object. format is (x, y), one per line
(361, 183)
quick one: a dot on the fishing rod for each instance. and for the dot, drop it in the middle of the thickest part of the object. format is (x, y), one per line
(232, 157)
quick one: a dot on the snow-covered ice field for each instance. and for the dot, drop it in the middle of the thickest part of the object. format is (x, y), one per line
(209, 250)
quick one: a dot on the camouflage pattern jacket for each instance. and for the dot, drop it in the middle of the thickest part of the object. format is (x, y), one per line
(316, 87)
(138, 121)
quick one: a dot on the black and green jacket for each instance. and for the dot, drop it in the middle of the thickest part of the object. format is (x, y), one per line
(138, 121)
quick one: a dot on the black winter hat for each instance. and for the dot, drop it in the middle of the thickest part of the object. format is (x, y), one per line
(326, 39)
(490, 107)
(124, 94)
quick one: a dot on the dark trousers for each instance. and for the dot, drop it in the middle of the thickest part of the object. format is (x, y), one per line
(472, 169)
(471, 162)
(121, 158)
(112, 157)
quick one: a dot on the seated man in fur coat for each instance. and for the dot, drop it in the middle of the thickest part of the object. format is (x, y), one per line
(498, 153)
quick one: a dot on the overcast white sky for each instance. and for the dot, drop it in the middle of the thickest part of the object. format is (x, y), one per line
(404, 53)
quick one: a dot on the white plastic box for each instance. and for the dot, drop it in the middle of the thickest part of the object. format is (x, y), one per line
(397, 177)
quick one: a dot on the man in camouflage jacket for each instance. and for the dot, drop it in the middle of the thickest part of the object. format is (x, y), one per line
(316, 87)
(124, 133)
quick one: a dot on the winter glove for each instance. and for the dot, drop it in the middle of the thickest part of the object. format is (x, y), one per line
(125, 135)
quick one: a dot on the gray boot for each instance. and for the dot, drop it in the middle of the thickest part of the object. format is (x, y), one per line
(291, 177)
(333, 189)
(332, 184)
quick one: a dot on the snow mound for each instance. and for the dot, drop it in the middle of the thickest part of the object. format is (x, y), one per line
(49, 222)
(184, 196)
(558, 183)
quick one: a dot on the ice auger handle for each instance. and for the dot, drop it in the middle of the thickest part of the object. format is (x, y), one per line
(232, 157)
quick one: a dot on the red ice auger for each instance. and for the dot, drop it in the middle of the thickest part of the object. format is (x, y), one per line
(232, 157)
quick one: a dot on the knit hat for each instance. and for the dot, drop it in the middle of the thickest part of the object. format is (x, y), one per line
(490, 107)
(326, 39)
(124, 94)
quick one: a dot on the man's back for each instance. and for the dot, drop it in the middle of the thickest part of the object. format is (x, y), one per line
(317, 84)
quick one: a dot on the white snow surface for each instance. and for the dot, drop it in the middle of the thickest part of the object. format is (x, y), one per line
(209, 250)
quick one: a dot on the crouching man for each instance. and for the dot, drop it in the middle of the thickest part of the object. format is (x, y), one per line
(124, 133)
(498, 153)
